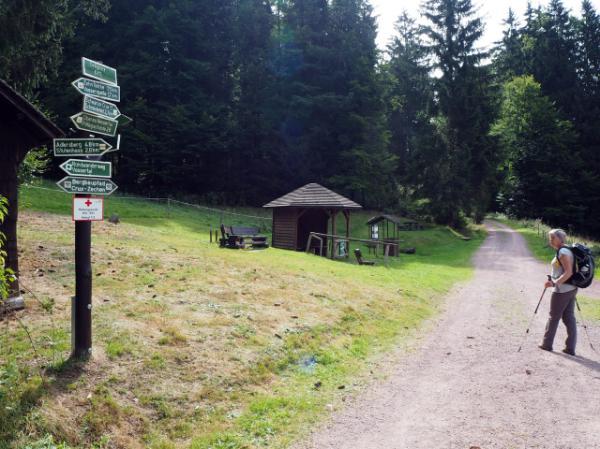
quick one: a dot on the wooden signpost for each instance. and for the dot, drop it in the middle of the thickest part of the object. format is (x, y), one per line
(87, 178)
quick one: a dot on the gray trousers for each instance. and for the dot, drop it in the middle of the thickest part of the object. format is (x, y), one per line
(562, 305)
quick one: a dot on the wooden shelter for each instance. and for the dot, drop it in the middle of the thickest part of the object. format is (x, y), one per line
(22, 127)
(386, 228)
(312, 208)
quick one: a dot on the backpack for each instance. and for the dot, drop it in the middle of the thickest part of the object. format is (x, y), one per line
(583, 265)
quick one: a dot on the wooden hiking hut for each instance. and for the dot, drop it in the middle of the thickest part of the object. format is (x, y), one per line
(22, 127)
(311, 208)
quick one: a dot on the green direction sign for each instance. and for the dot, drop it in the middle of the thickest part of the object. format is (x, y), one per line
(98, 71)
(124, 120)
(97, 89)
(92, 169)
(87, 186)
(100, 107)
(81, 147)
(95, 124)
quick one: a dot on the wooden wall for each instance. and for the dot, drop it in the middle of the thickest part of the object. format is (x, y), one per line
(285, 228)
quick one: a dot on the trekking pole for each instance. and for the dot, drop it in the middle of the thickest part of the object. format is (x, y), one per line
(533, 317)
(585, 327)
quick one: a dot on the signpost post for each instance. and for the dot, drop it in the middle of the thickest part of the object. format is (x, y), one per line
(89, 177)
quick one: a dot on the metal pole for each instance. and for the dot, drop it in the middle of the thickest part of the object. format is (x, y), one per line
(82, 320)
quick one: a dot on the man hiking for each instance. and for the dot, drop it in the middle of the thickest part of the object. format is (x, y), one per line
(562, 303)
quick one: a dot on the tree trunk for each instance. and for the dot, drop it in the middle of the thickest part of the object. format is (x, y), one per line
(10, 156)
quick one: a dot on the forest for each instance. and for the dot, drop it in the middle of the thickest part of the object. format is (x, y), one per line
(239, 101)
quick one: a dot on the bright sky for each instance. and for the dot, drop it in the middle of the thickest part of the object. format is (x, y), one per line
(493, 13)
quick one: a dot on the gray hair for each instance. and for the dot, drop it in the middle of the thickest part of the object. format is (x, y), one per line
(562, 235)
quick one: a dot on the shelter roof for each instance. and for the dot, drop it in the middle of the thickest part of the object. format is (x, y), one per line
(314, 195)
(22, 117)
(392, 218)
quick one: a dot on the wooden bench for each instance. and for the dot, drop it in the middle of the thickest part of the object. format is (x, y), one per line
(359, 258)
(241, 236)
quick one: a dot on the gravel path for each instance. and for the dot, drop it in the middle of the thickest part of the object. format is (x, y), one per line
(466, 385)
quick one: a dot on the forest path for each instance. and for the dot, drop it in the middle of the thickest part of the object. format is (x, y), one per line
(466, 385)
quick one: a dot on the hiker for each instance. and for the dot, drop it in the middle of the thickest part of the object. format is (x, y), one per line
(562, 303)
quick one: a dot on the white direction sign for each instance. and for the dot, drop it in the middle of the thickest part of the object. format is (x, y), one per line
(88, 209)
(100, 107)
(91, 169)
(97, 89)
(87, 186)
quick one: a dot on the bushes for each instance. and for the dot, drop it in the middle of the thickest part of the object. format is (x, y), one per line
(5, 274)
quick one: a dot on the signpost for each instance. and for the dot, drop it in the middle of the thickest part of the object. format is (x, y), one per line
(98, 117)
(87, 186)
(96, 106)
(88, 209)
(81, 147)
(92, 123)
(92, 169)
(97, 89)
(98, 71)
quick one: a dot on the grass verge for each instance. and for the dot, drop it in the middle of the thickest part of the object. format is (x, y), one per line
(198, 346)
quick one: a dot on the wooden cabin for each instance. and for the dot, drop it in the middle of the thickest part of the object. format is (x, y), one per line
(311, 208)
(22, 127)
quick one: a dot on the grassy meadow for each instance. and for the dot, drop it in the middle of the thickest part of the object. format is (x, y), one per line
(197, 346)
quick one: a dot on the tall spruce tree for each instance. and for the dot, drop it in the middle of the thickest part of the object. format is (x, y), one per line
(509, 58)
(410, 107)
(464, 110)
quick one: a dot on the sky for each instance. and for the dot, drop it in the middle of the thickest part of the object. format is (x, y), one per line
(493, 12)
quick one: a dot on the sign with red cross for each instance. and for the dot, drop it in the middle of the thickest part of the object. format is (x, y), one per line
(88, 209)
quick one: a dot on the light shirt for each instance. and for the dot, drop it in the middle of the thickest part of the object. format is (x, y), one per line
(558, 270)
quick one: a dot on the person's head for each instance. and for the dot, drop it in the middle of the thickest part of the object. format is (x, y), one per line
(557, 238)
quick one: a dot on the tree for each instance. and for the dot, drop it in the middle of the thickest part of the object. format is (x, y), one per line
(32, 33)
(542, 170)
(509, 59)
(464, 110)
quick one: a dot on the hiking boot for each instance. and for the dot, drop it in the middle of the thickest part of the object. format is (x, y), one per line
(545, 348)
(568, 351)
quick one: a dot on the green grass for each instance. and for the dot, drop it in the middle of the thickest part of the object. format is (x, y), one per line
(203, 347)
(535, 234)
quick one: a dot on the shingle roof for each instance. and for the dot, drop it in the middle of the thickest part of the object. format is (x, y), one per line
(314, 195)
(39, 128)
(392, 218)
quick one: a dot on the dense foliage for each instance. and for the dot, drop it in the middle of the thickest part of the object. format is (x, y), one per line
(5, 274)
(242, 100)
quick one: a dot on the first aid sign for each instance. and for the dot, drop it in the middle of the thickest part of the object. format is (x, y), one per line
(88, 209)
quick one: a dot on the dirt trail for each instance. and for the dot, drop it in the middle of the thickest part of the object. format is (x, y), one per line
(466, 385)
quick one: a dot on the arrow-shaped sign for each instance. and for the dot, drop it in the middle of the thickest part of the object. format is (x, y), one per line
(97, 89)
(98, 71)
(100, 107)
(87, 186)
(92, 169)
(92, 123)
(81, 147)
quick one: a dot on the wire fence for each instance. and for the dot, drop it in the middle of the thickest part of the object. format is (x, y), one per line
(171, 207)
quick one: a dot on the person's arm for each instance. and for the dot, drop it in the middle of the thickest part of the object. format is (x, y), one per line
(567, 264)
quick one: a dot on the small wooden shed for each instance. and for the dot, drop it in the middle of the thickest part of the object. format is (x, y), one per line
(22, 127)
(311, 208)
